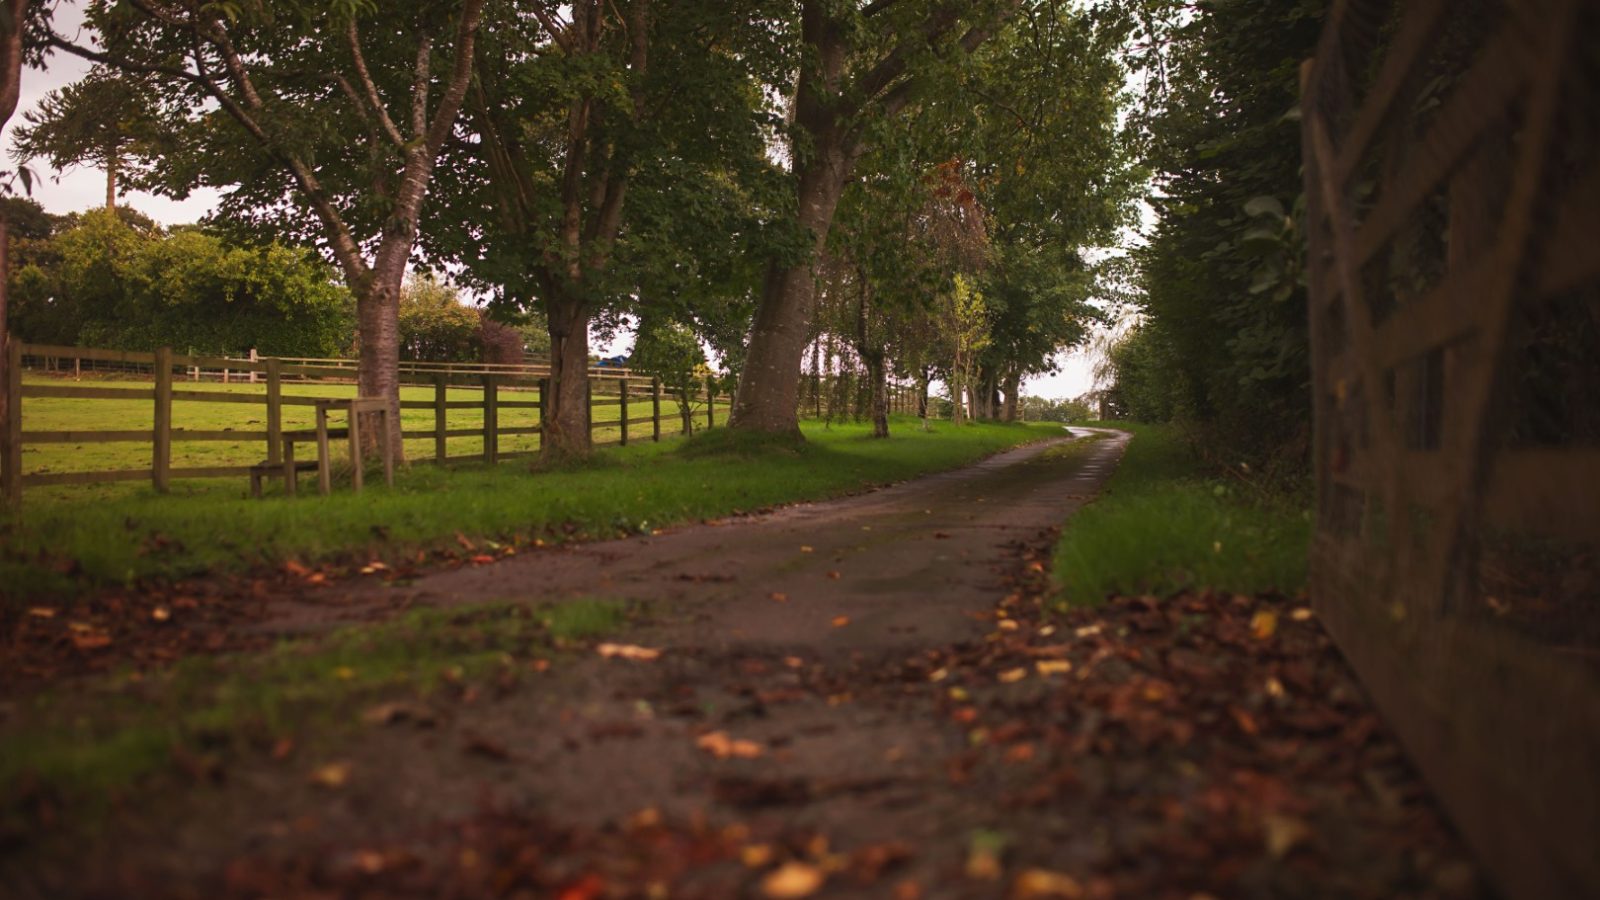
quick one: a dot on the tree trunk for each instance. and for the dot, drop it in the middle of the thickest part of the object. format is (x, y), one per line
(565, 418)
(378, 363)
(878, 374)
(1013, 396)
(111, 180)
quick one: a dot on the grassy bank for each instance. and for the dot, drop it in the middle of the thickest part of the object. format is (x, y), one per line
(1163, 525)
(80, 748)
(56, 547)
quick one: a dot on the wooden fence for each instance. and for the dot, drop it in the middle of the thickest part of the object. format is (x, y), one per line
(505, 392)
(1452, 166)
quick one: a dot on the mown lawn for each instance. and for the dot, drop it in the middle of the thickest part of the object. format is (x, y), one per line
(58, 546)
(1164, 524)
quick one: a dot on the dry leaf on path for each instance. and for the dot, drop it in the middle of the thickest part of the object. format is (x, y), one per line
(332, 776)
(720, 745)
(1045, 883)
(627, 651)
(792, 880)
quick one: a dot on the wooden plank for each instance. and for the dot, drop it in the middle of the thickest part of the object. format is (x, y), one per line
(447, 404)
(1546, 492)
(274, 411)
(88, 437)
(1420, 27)
(80, 392)
(641, 420)
(188, 434)
(517, 404)
(104, 475)
(161, 451)
(11, 480)
(655, 410)
(193, 396)
(521, 429)
(210, 471)
(122, 356)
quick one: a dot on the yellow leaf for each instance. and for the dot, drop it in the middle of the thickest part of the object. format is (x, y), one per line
(841, 621)
(792, 880)
(1053, 666)
(1012, 676)
(756, 856)
(1264, 624)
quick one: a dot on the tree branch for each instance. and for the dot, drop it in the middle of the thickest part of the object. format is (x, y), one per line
(353, 38)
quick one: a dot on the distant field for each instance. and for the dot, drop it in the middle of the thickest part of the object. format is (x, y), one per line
(51, 414)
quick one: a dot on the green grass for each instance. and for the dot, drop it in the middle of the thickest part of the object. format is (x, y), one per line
(1163, 526)
(80, 746)
(57, 547)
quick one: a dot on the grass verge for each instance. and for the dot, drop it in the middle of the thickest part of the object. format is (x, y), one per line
(61, 547)
(79, 747)
(1164, 526)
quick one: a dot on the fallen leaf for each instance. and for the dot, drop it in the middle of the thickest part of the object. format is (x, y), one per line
(331, 776)
(1264, 624)
(1007, 624)
(841, 621)
(587, 887)
(90, 640)
(1053, 666)
(42, 612)
(296, 569)
(792, 880)
(805, 549)
(1012, 676)
(780, 597)
(1301, 614)
(283, 748)
(482, 559)
(983, 855)
(834, 575)
(627, 651)
(720, 745)
(756, 856)
(1045, 883)
(160, 614)
(1283, 833)
(487, 748)
(390, 713)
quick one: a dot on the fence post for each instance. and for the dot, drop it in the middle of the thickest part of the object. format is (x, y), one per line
(544, 391)
(161, 461)
(274, 410)
(11, 435)
(253, 358)
(588, 406)
(686, 398)
(711, 403)
(491, 419)
(624, 407)
(441, 391)
(655, 410)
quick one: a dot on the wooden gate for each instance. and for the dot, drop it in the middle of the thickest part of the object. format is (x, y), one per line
(1452, 155)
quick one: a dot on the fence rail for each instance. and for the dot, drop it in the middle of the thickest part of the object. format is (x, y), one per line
(501, 386)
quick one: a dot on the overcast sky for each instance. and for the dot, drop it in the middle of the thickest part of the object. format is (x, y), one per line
(84, 187)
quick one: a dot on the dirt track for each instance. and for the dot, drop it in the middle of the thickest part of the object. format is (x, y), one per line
(837, 688)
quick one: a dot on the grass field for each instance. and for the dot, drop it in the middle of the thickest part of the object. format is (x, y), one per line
(55, 414)
(1163, 525)
(60, 545)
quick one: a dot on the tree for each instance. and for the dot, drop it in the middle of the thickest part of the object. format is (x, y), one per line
(859, 65)
(313, 97)
(670, 352)
(614, 145)
(105, 282)
(1225, 342)
(964, 323)
(108, 120)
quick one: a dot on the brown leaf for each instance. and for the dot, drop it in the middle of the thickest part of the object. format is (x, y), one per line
(331, 776)
(486, 747)
(718, 744)
(780, 597)
(1264, 624)
(841, 621)
(1045, 883)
